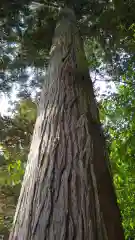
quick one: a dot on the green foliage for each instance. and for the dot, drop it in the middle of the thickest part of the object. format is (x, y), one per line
(120, 127)
(15, 132)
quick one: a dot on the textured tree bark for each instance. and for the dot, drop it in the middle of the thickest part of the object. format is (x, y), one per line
(67, 191)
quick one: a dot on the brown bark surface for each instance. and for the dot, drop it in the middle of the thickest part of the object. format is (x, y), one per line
(67, 191)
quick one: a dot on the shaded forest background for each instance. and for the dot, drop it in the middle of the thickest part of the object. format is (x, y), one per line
(108, 30)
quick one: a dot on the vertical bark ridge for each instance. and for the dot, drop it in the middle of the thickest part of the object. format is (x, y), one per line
(67, 191)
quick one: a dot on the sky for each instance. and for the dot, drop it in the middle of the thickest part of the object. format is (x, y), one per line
(3, 104)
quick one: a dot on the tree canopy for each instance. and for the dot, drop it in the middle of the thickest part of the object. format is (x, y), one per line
(27, 31)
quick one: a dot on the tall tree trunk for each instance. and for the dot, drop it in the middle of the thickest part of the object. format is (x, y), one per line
(67, 191)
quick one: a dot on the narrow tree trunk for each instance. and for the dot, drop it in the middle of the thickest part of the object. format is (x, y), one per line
(67, 191)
